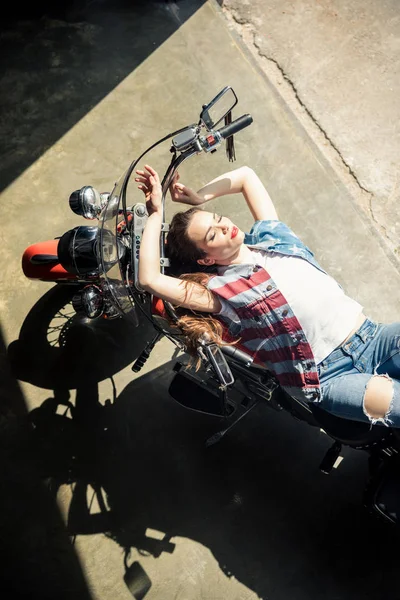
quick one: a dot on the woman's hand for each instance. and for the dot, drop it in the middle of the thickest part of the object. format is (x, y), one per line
(151, 187)
(182, 193)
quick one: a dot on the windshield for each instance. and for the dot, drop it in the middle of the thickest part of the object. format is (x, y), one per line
(113, 253)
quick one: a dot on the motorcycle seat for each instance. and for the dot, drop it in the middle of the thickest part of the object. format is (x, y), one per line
(351, 433)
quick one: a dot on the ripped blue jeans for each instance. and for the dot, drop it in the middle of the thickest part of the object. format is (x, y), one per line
(344, 375)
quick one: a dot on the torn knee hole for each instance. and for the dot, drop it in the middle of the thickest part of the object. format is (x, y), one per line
(378, 397)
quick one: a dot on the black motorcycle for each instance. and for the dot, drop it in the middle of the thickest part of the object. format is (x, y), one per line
(103, 261)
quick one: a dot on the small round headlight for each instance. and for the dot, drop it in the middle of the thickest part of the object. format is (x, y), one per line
(86, 202)
(89, 302)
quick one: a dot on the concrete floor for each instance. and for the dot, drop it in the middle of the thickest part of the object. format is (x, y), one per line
(337, 64)
(84, 91)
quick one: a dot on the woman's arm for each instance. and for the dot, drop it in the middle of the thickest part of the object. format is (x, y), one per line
(183, 293)
(243, 180)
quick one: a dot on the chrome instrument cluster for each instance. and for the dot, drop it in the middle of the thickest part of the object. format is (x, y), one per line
(140, 217)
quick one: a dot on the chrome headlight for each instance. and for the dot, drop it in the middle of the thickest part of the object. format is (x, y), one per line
(86, 202)
(89, 302)
(77, 250)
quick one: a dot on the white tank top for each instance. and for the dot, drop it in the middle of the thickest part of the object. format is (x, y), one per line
(323, 310)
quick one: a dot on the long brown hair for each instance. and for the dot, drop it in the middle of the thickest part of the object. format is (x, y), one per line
(197, 325)
(184, 254)
(180, 248)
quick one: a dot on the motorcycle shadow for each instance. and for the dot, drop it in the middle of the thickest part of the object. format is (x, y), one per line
(57, 349)
(256, 500)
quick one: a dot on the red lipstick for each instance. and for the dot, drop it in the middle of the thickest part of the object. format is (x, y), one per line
(234, 231)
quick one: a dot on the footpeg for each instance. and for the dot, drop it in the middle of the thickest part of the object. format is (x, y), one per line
(141, 360)
(330, 458)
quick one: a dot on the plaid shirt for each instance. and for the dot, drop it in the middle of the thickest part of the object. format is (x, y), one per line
(267, 327)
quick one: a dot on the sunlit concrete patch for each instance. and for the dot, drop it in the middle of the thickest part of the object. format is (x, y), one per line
(342, 81)
(199, 576)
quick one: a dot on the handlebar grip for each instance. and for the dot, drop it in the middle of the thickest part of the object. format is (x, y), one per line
(237, 354)
(235, 126)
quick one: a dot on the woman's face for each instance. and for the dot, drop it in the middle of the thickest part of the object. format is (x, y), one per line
(216, 235)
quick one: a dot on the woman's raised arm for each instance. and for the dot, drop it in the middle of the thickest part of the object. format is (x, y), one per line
(242, 180)
(181, 293)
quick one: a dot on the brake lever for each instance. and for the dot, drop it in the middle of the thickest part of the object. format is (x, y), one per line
(230, 144)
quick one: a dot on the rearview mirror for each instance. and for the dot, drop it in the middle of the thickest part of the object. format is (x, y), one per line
(218, 108)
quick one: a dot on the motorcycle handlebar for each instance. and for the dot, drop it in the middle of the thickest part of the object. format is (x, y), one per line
(237, 354)
(235, 126)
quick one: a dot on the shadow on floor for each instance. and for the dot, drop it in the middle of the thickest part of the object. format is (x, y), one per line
(55, 350)
(256, 500)
(38, 560)
(60, 59)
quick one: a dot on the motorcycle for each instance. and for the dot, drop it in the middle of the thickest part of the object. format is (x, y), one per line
(102, 261)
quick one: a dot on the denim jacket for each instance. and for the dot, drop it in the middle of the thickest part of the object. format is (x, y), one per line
(275, 236)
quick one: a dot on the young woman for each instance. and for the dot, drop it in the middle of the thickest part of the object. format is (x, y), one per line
(273, 296)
